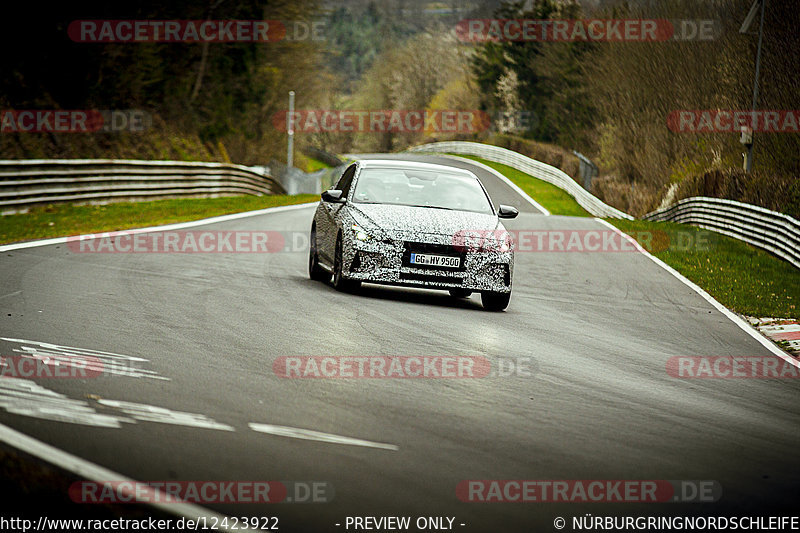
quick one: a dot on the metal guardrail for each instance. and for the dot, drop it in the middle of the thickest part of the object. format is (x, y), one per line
(24, 183)
(28, 182)
(537, 169)
(770, 230)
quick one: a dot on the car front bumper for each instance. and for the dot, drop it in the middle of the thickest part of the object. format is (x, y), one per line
(387, 262)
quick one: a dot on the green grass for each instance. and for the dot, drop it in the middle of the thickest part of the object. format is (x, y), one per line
(741, 277)
(312, 165)
(549, 196)
(58, 220)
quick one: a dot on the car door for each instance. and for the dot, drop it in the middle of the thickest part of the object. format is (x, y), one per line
(327, 227)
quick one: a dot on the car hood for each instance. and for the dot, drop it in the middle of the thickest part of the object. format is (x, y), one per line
(402, 221)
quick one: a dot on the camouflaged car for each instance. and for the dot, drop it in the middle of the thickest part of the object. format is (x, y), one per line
(413, 224)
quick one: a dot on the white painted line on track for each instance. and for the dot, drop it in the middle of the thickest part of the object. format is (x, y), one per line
(91, 472)
(26, 398)
(168, 227)
(307, 434)
(10, 294)
(162, 415)
(736, 319)
(503, 178)
(94, 361)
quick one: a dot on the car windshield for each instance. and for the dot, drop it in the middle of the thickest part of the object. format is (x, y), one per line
(423, 188)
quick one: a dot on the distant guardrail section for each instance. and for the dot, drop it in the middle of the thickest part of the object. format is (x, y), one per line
(24, 183)
(770, 230)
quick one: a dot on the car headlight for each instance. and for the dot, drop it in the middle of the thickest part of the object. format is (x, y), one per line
(359, 234)
(504, 244)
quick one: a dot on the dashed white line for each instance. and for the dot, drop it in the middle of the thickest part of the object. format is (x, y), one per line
(94, 361)
(27, 398)
(307, 434)
(10, 294)
(152, 413)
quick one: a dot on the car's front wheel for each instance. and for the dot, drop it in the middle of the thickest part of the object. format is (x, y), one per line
(495, 301)
(315, 272)
(340, 283)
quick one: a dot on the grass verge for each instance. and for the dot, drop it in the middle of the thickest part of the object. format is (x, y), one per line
(59, 220)
(555, 200)
(741, 277)
(312, 165)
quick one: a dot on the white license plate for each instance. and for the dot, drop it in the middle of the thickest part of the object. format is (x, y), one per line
(444, 261)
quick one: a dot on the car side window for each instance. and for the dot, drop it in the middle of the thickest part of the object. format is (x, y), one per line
(346, 181)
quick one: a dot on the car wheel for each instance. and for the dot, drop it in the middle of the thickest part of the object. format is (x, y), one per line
(460, 293)
(495, 301)
(315, 272)
(339, 281)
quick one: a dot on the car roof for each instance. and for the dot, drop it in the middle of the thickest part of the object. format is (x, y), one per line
(417, 165)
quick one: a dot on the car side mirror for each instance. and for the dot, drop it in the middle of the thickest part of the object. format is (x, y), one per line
(333, 196)
(506, 211)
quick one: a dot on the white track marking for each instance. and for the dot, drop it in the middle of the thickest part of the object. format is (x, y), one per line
(10, 294)
(307, 434)
(92, 472)
(94, 361)
(168, 227)
(151, 413)
(504, 179)
(736, 319)
(27, 398)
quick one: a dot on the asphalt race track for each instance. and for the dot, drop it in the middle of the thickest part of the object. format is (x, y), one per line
(595, 330)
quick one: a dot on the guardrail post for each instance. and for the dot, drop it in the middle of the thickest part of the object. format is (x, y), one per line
(290, 129)
(587, 169)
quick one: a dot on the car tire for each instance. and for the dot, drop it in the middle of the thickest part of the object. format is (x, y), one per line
(495, 301)
(460, 293)
(315, 271)
(339, 281)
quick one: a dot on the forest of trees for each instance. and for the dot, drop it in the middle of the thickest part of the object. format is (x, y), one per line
(208, 100)
(609, 100)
